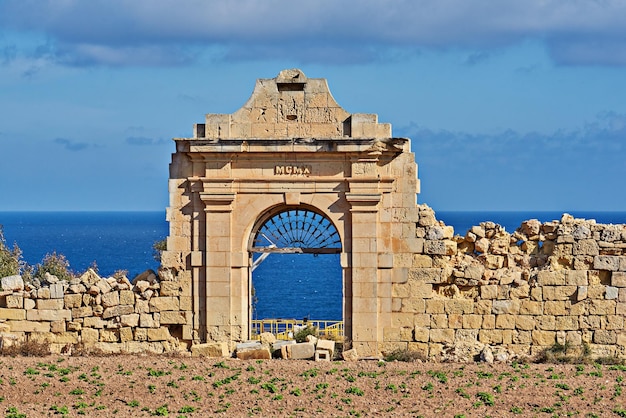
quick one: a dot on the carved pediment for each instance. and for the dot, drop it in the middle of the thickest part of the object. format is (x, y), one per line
(291, 106)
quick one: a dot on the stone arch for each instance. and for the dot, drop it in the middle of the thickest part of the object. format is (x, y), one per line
(290, 145)
(315, 233)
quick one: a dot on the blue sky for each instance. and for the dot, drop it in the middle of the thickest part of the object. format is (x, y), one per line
(510, 105)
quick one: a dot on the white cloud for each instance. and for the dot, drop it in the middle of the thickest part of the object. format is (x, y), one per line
(148, 32)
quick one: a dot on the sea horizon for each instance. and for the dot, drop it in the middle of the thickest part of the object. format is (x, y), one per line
(123, 240)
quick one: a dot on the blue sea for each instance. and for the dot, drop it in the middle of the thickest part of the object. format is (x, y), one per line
(285, 285)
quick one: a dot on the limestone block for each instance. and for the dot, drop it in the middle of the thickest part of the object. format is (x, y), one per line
(582, 293)
(57, 326)
(322, 355)
(459, 306)
(66, 338)
(14, 301)
(611, 293)
(111, 299)
(505, 321)
(472, 321)
(147, 320)
(455, 321)
(217, 349)
(422, 261)
(543, 338)
(555, 307)
(49, 314)
(12, 283)
(130, 320)
(427, 275)
(602, 307)
(506, 306)
(126, 334)
(49, 304)
(559, 292)
(141, 334)
(489, 291)
(29, 304)
(525, 322)
(551, 278)
(442, 335)
(490, 336)
(489, 321)
(567, 323)
(109, 336)
(494, 262)
(8, 313)
(618, 279)
(118, 310)
(173, 317)
(186, 303)
(328, 345)
(602, 336)
(159, 334)
(546, 322)
(606, 262)
(82, 312)
(71, 325)
(43, 293)
(89, 336)
(301, 351)
(142, 306)
(483, 307)
(421, 290)
(520, 292)
(127, 297)
(413, 305)
(93, 322)
(439, 321)
(435, 306)
(164, 303)
(72, 301)
(57, 291)
(170, 288)
(576, 277)
(29, 326)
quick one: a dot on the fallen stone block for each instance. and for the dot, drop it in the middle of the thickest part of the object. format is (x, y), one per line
(210, 350)
(322, 355)
(350, 355)
(301, 351)
(328, 345)
(262, 353)
(278, 344)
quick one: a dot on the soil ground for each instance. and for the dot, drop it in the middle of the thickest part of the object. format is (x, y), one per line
(193, 387)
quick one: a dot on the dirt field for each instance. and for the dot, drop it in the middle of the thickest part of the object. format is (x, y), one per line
(181, 386)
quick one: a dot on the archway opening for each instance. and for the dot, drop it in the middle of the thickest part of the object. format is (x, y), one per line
(296, 275)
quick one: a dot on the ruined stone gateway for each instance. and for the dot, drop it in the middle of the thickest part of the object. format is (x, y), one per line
(408, 281)
(290, 146)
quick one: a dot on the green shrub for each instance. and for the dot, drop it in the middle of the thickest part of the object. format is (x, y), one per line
(55, 264)
(10, 258)
(301, 335)
(158, 247)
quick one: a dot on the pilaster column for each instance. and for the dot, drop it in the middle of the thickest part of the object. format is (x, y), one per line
(217, 260)
(364, 221)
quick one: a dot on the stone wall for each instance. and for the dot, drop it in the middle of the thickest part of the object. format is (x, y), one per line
(106, 314)
(518, 293)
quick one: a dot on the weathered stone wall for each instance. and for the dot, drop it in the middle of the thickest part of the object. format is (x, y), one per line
(108, 314)
(518, 293)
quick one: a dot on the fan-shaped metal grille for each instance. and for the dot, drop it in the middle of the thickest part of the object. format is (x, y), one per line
(297, 231)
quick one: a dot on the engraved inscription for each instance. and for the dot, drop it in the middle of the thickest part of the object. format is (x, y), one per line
(292, 170)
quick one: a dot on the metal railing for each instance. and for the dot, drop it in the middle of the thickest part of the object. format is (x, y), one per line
(285, 329)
